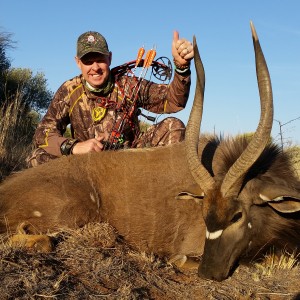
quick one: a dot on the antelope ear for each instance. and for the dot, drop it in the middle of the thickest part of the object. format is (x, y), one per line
(281, 198)
(189, 196)
(286, 206)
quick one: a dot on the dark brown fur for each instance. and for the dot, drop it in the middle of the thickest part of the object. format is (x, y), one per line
(268, 226)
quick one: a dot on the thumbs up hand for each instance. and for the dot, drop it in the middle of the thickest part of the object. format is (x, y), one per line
(182, 51)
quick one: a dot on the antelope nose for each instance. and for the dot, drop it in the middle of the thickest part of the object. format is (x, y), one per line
(205, 272)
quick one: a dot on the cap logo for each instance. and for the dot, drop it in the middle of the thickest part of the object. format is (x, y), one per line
(91, 42)
(91, 39)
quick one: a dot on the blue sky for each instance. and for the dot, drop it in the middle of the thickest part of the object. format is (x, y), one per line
(46, 34)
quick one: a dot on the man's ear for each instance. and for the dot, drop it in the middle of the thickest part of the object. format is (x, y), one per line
(110, 58)
(77, 60)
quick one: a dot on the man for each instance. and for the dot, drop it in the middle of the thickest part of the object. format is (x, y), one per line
(95, 103)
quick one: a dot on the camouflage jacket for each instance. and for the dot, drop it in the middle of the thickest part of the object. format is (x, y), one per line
(92, 114)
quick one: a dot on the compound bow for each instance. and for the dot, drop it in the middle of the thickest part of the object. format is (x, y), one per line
(161, 69)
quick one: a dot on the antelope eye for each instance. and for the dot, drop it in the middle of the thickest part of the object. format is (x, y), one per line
(236, 217)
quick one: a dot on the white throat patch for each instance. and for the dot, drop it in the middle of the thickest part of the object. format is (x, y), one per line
(213, 235)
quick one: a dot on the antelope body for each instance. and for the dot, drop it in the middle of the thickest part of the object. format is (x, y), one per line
(235, 195)
(135, 191)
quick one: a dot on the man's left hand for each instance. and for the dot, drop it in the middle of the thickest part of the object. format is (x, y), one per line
(182, 50)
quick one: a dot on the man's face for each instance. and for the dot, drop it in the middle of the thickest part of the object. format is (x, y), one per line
(94, 68)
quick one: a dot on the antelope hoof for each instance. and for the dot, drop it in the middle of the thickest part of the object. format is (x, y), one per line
(38, 242)
(178, 260)
(184, 262)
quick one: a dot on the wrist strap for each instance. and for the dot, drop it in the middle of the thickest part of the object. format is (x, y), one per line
(67, 146)
(181, 67)
(182, 71)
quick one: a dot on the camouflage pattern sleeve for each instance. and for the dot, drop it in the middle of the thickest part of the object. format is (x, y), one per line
(49, 133)
(161, 98)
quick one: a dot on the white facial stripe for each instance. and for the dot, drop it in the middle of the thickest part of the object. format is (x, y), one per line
(263, 197)
(213, 235)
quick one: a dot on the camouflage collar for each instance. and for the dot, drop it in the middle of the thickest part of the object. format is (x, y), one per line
(104, 90)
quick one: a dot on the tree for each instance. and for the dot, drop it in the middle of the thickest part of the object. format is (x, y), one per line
(22, 96)
(17, 82)
(5, 43)
(32, 88)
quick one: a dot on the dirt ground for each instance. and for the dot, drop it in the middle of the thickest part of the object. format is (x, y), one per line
(95, 263)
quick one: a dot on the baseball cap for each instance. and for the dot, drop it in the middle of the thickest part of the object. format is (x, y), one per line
(91, 41)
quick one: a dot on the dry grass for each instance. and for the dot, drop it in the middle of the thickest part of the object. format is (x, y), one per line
(275, 261)
(295, 155)
(88, 263)
(94, 262)
(16, 132)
